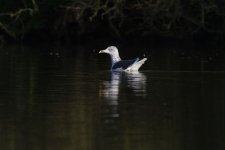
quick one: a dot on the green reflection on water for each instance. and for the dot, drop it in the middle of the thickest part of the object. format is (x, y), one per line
(56, 103)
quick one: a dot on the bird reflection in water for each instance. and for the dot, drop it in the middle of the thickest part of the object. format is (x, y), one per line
(120, 83)
(137, 82)
(110, 89)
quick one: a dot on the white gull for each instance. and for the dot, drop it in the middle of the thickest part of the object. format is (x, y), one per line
(122, 65)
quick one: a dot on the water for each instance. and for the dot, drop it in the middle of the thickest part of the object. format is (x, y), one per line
(55, 98)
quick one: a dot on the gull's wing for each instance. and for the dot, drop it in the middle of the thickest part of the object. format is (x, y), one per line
(135, 66)
(124, 64)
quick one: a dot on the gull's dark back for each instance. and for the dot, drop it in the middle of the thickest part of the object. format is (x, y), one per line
(124, 64)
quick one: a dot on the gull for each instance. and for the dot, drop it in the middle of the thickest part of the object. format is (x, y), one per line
(122, 65)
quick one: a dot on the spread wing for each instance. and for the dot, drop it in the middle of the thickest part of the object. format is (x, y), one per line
(124, 64)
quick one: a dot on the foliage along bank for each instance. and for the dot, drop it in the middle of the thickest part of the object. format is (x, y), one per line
(74, 19)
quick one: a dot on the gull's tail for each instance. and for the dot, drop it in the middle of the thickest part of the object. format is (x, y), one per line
(135, 66)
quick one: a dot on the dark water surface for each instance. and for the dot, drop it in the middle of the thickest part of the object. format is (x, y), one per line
(54, 99)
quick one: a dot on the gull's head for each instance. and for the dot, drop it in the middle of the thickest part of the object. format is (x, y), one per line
(111, 50)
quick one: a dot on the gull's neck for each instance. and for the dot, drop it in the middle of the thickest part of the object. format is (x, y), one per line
(115, 58)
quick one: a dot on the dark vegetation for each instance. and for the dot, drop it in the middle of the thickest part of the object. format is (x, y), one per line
(74, 20)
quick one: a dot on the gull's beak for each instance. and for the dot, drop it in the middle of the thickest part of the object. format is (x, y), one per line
(101, 51)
